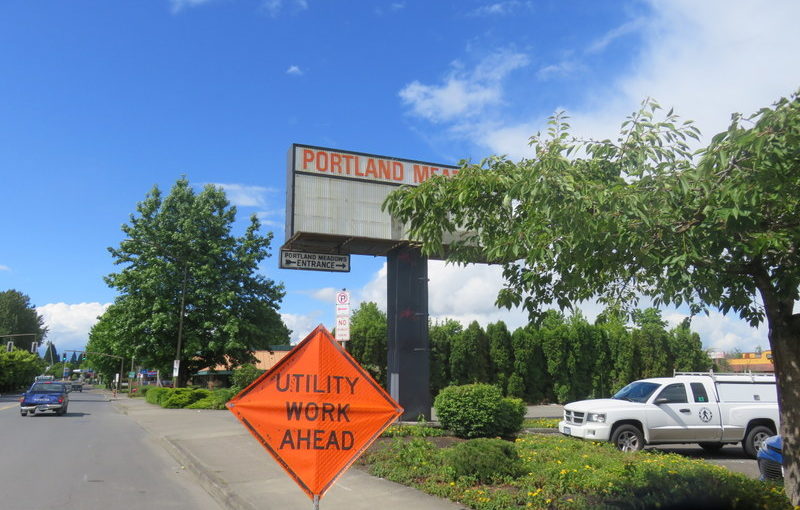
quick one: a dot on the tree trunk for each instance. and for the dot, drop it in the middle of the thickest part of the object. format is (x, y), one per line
(784, 338)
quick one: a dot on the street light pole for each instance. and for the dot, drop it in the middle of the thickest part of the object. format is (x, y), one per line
(176, 377)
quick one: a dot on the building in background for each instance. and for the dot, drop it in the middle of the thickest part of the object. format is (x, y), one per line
(220, 376)
(752, 362)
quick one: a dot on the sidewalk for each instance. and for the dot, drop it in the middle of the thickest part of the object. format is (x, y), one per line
(241, 475)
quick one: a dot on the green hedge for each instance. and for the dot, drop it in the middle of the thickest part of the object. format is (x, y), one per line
(479, 410)
(191, 398)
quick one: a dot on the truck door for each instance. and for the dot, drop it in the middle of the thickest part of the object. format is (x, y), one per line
(674, 417)
(706, 418)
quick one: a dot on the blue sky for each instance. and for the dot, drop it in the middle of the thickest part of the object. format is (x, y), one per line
(101, 100)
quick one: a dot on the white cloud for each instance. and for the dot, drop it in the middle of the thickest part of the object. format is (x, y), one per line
(392, 8)
(179, 5)
(241, 195)
(500, 8)
(69, 324)
(301, 325)
(294, 71)
(614, 34)
(725, 332)
(4, 268)
(562, 68)
(707, 60)
(463, 94)
(274, 7)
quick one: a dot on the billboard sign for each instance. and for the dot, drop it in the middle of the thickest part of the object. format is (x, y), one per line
(334, 199)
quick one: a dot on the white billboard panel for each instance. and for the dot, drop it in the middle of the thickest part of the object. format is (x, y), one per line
(334, 199)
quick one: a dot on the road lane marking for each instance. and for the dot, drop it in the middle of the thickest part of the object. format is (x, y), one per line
(8, 407)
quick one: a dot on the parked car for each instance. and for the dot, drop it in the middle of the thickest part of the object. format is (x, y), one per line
(44, 396)
(77, 386)
(770, 459)
(707, 408)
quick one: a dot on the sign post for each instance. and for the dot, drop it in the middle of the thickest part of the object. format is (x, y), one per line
(342, 316)
(316, 411)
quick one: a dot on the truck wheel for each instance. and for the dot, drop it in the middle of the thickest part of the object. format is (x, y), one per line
(756, 436)
(23, 413)
(711, 447)
(628, 438)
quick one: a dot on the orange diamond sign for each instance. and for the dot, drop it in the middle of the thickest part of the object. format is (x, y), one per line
(315, 411)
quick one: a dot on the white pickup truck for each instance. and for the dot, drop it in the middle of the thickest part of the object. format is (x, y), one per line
(705, 408)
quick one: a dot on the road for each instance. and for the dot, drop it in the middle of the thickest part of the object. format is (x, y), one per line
(92, 458)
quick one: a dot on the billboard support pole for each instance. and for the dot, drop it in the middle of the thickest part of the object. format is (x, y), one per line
(407, 320)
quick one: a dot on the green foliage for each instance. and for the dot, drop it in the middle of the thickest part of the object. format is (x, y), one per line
(639, 215)
(478, 410)
(19, 316)
(501, 356)
(441, 338)
(469, 356)
(244, 375)
(215, 400)
(155, 394)
(415, 430)
(179, 256)
(541, 423)
(18, 369)
(510, 416)
(368, 339)
(178, 398)
(484, 460)
(563, 473)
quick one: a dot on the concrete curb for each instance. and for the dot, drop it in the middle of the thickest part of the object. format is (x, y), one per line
(211, 483)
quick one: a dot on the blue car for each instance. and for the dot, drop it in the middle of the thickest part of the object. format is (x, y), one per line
(770, 459)
(45, 396)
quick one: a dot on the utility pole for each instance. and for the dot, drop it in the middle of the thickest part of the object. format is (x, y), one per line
(176, 376)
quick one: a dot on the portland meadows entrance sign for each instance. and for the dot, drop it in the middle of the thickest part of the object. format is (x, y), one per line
(333, 207)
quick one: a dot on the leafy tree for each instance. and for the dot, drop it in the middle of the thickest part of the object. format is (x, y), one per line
(441, 338)
(18, 368)
(640, 215)
(368, 340)
(19, 316)
(104, 338)
(188, 286)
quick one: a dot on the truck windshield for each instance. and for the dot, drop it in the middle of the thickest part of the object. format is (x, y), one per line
(638, 391)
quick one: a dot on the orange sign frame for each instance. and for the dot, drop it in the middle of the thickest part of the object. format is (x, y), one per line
(316, 411)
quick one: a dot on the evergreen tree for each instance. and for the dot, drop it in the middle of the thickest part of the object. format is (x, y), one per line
(501, 354)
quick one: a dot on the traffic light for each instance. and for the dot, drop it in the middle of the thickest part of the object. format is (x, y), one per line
(34, 346)
(63, 357)
(83, 356)
(9, 346)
